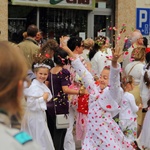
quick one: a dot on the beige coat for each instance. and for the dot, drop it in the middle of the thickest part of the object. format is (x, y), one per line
(30, 49)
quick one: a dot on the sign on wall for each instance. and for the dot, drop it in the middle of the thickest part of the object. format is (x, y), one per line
(75, 4)
(143, 20)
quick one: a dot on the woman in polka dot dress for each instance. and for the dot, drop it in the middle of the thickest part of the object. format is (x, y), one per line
(103, 133)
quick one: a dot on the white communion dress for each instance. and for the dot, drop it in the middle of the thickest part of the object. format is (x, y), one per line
(34, 121)
(144, 138)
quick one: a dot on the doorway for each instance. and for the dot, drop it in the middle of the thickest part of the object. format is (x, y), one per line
(100, 22)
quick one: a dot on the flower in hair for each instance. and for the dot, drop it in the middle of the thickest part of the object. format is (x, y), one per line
(41, 65)
(100, 42)
(47, 55)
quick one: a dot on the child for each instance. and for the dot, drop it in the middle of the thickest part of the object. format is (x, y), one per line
(37, 95)
(127, 115)
(145, 133)
(103, 133)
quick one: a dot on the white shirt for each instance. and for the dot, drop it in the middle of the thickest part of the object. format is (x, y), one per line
(98, 62)
(85, 55)
(126, 59)
(128, 107)
(136, 72)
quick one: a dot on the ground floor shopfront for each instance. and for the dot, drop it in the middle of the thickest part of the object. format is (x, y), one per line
(85, 21)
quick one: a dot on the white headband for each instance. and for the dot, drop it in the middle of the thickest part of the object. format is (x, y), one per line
(41, 65)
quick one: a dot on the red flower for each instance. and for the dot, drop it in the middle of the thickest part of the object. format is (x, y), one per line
(47, 55)
(82, 121)
(126, 53)
(108, 106)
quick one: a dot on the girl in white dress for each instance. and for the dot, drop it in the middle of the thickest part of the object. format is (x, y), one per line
(145, 96)
(103, 133)
(34, 121)
(144, 138)
(127, 115)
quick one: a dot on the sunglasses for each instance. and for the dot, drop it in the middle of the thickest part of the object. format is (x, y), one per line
(82, 45)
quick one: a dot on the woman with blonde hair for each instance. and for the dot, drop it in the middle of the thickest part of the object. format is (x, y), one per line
(88, 45)
(13, 71)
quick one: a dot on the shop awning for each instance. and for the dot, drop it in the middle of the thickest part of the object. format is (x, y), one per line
(68, 4)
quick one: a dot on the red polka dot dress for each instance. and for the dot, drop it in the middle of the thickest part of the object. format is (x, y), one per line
(103, 133)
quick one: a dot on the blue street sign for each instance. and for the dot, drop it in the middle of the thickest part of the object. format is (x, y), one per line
(143, 20)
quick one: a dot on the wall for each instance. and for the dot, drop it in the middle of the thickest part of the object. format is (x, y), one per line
(125, 14)
(4, 20)
(143, 3)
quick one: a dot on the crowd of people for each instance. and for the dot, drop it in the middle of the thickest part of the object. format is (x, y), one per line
(105, 102)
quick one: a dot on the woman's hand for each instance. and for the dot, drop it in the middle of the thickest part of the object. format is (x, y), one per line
(63, 45)
(140, 106)
(116, 53)
(82, 90)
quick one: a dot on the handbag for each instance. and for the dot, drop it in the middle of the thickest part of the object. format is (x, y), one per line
(62, 120)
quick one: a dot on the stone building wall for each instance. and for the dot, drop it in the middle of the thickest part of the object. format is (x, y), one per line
(125, 14)
(4, 20)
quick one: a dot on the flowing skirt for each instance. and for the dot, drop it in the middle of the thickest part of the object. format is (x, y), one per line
(144, 138)
(35, 124)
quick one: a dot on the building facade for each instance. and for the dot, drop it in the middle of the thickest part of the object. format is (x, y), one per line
(86, 18)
